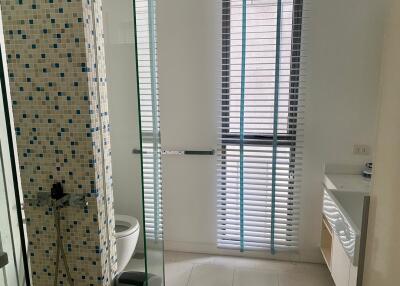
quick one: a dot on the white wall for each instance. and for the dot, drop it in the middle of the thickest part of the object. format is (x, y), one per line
(188, 81)
(343, 76)
(383, 251)
(343, 41)
(122, 100)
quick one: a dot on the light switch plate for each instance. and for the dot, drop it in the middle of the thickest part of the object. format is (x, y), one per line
(361, 149)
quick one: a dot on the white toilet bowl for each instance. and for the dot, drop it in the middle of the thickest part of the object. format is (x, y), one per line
(127, 233)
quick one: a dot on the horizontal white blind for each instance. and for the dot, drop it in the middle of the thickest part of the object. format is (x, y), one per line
(146, 42)
(261, 138)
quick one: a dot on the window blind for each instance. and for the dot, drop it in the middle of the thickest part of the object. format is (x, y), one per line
(261, 138)
(146, 49)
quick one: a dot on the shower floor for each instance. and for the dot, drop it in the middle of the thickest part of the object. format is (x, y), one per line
(188, 269)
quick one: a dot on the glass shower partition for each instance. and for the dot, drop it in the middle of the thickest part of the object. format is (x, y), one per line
(149, 119)
(8, 268)
(13, 258)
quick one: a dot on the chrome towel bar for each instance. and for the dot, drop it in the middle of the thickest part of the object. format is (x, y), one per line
(138, 152)
(189, 152)
(180, 152)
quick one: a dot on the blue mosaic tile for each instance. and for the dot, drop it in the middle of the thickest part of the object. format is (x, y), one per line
(52, 110)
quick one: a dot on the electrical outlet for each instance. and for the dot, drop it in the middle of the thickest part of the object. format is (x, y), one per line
(361, 149)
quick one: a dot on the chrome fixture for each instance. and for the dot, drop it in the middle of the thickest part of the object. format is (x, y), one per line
(188, 152)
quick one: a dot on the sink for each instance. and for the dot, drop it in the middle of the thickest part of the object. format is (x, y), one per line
(351, 205)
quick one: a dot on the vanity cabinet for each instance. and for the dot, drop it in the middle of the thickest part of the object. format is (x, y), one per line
(344, 228)
(353, 275)
(343, 272)
(340, 264)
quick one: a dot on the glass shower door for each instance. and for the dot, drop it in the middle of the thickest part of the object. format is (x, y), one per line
(146, 59)
(11, 254)
(130, 46)
(8, 269)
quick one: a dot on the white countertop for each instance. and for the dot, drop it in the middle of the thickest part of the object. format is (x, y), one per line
(349, 191)
(347, 182)
(345, 199)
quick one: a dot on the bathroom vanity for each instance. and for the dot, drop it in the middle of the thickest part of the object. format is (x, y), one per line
(344, 224)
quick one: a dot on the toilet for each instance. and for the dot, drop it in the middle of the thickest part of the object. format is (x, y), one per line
(127, 234)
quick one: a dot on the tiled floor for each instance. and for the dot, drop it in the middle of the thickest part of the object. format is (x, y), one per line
(185, 269)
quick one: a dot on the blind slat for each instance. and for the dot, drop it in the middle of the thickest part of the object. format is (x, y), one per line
(146, 40)
(261, 113)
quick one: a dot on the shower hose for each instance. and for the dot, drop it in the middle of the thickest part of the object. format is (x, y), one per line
(60, 250)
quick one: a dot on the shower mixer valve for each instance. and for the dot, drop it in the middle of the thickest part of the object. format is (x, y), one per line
(57, 198)
(57, 191)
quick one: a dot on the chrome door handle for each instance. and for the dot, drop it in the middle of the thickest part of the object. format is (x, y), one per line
(3, 259)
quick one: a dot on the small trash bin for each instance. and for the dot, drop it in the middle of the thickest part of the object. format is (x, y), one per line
(134, 278)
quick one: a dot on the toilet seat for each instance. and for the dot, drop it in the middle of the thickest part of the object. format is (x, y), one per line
(128, 223)
(127, 231)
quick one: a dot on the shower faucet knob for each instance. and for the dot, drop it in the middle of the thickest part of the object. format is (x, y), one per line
(57, 191)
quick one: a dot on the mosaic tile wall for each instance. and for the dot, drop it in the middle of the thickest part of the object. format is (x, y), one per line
(58, 88)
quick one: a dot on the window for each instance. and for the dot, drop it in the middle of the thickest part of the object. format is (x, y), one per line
(146, 42)
(260, 128)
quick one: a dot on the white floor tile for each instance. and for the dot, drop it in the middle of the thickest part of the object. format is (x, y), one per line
(305, 279)
(187, 269)
(256, 263)
(228, 261)
(169, 256)
(135, 265)
(254, 278)
(209, 274)
(193, 258)
(177, 273)
(310, 268)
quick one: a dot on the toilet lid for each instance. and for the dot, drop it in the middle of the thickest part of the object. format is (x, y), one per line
(125, 225)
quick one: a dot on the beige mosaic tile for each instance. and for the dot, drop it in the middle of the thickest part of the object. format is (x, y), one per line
(59, 99)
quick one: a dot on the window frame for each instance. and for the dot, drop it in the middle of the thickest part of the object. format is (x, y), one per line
(263, 139)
